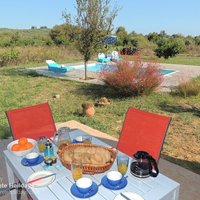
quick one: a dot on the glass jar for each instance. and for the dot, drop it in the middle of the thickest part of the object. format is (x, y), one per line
(62, 136)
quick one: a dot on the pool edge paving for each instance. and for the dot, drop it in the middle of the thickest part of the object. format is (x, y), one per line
(180, 73)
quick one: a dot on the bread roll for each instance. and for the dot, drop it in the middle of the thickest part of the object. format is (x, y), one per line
(88, 155)
(96, 159)
(67, 156)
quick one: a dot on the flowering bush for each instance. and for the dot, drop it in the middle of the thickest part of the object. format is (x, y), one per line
(132, 78)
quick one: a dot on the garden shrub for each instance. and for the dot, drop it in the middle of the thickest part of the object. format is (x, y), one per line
(132, 78)
(128, 51)
(169, 47)
(9, 57)
(189, 88)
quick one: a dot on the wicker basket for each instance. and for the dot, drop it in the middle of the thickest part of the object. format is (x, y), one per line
(87, 168)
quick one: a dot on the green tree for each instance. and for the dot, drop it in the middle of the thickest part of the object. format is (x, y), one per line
(95, 19)
(153, 37)
(59, 35)
(134, 43)
(178, 35)
(126, 41)
(121, 32)
(43, 27)
(169, 47)
(63, 34)
(189, 40)
(197, 40)
(33, 27)
(163, 34)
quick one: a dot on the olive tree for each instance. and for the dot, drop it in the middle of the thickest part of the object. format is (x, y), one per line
(95, 18)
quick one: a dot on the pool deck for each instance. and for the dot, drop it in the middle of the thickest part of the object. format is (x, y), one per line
(182, 74)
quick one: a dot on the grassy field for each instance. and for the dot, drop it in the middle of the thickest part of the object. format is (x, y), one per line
(182, 59)
(179, 59)
(182, 144)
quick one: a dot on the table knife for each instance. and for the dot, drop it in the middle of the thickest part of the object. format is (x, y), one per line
(125, 197)
(41, 178)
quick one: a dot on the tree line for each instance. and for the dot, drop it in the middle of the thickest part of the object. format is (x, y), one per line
(162, 44)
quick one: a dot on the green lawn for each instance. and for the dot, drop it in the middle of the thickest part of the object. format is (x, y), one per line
(182, 146)
(179, 59)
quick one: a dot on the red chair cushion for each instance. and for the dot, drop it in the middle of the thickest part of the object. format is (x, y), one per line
(31, 122)
(143, 131)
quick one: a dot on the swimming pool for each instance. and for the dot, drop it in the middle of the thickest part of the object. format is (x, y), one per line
(91, 67)
(166, 71)
(97, 68)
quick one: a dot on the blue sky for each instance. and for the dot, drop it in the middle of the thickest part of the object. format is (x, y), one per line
(141, 16)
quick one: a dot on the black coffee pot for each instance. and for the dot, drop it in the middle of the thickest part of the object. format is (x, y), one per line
(144, 165)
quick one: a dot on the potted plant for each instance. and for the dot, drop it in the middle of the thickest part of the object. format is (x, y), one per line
(88, 109)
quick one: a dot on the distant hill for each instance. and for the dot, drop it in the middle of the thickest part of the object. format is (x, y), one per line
(24, 37)
(41, 31)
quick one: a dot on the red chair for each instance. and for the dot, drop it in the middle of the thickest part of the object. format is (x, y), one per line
(143, 131)
(31, 122)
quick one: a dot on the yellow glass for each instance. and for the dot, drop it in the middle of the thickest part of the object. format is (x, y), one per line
(122, 168)
(77, 170)
(77, 173)
(41, 144)
(41, 147)
(122, 164)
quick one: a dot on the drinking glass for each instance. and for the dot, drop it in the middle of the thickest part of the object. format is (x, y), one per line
(41, 143)
(122, 164)
(76, 169)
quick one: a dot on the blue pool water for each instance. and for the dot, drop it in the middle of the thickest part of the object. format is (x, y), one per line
(98, 67)
(93, 68)
(166, 71)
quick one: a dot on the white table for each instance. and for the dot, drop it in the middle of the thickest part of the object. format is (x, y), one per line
(150, 188)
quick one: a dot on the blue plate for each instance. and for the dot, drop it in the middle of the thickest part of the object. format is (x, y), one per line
(25, 163)
(106, 184)
(76, 193)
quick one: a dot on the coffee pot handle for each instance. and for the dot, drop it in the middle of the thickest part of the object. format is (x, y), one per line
(155, 170)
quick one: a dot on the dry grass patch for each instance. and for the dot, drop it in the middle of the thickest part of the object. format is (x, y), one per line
(187, 89)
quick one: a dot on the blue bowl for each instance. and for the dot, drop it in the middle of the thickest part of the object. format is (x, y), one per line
(32, 157)
(114, 178)
(84, 185)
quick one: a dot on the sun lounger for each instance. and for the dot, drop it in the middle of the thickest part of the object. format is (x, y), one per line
(57, 68)
(102, 58)
(115, 56)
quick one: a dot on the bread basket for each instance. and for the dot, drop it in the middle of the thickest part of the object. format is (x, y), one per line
(87, 168)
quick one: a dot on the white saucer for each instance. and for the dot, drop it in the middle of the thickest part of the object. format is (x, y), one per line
(130, 195)
(41, 183)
